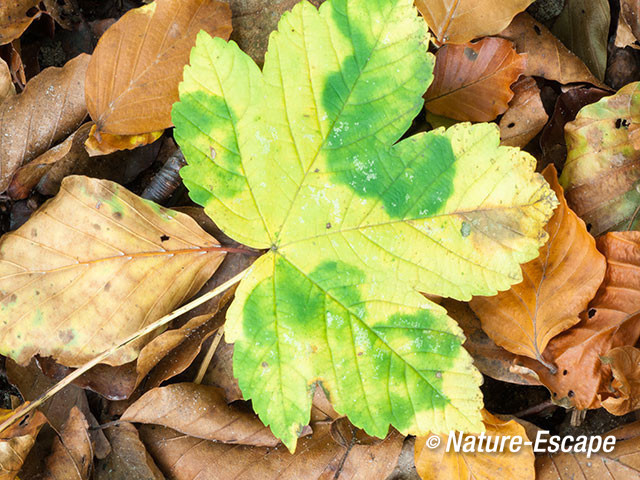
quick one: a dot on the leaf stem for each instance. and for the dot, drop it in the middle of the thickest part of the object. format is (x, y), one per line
(30, 406)
(209, 356)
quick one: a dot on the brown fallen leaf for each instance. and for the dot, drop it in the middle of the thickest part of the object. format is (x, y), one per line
(108, 143)
(72, 455)
(11, 54)
(557, 286)
(612, 320)
(203, 413)
(16, 442)
(129, 459)
(623, 463)
(489, 358)
(628, 24)
(583, 26)
(460, 21)
(50, 108)
(94, 252)
(625, 366)
(547, 57)
(132, 79)
(438, 464)
(526, 116)
(220, 372)
(471, 82)
(6, 84)
(319, 456)
(15, 17)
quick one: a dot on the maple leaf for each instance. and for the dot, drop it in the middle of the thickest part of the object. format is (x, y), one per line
(303, 158)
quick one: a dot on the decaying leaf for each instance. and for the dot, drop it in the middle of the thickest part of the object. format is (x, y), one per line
(133, 77)
(369, 208)
(625, 387)
(72, 455)
(628, 24)
(623, 463)
(50, 108)
(610, 321)
(107, 143)
(471, 82)
(203, 413)
(318, 456)
(438, 464)
(526, 115)
(129, 459)
(547, 57)
(94, 251)
(16, 442)
(583, 26)
(15, 17)
(602, 169)
(557, 286)
(460, 21)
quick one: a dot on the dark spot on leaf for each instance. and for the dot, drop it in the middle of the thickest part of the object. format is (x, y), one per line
(107, 286)
(97, 226)
(537, 30)
(591, 312)
(588, 227)
(265, 364)
(117, 215)
(328, 225)
(34, 232)
(555, 394)
(470, 53)
(66, 335)
(511, 125)
(564, 372)
(360, 354)
(164, 238)
(570, 394)
(316, 170)
(465, 229)
(622, 122)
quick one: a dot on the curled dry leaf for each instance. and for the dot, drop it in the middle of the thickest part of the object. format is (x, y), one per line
(625, 366)
(612, 320)
(319, 456)
(48, 110)
(6, 84)
(438, 464)
(132, 79)
(557, 286)
(203, 413)
(628, 24)
(471, 82)
(105, 143)
(489, 358)
(547, 57)
(623, 463)
(16, 442)
(72, 454)
(583, 26)
(15, 17)
(460, 21)
(94, 252)
(602, 168)
(526, 116)
(129, 459)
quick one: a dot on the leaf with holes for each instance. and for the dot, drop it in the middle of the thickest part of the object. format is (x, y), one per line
(302, 158)
(94, 252)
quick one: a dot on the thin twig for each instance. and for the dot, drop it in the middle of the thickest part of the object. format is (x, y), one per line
(30, 406)
(207, 358)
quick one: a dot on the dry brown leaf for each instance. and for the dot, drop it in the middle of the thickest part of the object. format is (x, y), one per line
(489, 358)
(628, 24)
(50, 108)
(438, 464)
(95, 251)
(220, 372)
(471, 82)
(200, 411)
(72, 455)
(526, 116)
(625, 366)
(460, 21)
(317, 457)
(557, 286)
(547, 57)
(623, 463)
(63, 12)
(15, 17)
(129, 459)
(6, 84)
(108, 143)
(132, 79)
(16, 442)
(612, 320)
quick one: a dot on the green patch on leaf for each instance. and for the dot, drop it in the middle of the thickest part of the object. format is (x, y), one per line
(356, 220)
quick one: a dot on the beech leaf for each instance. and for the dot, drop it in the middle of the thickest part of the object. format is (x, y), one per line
(471, 82)
(557, 286)
(460, 21)
(94, 252)
(625, 366)
(303, 159)
(526, 116)
(15, 17)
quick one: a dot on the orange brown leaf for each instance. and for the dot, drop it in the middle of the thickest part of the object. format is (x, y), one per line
(625, 366)
(526, 116)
